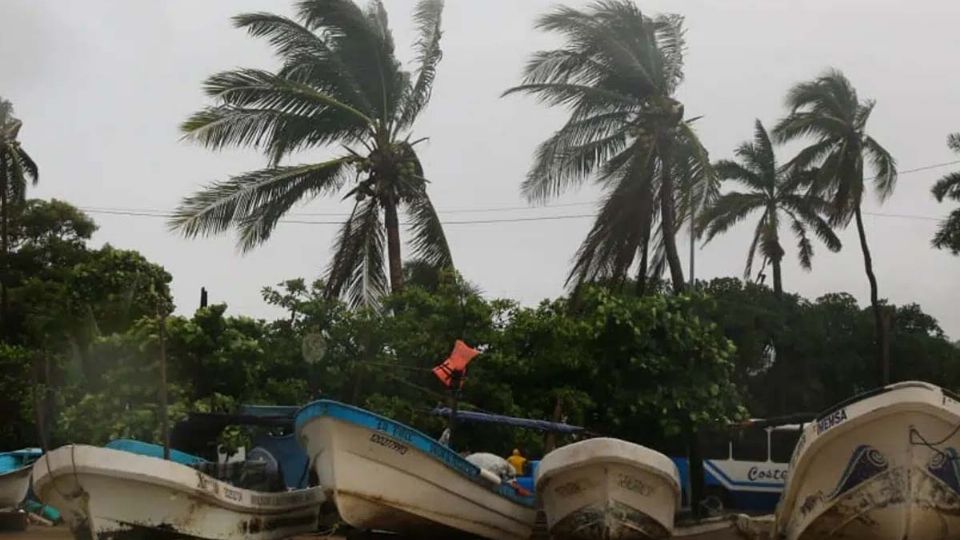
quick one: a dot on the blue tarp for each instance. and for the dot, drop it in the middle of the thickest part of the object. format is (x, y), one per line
(539, 425)
(269, 411)
(18, 458)
(153, 450)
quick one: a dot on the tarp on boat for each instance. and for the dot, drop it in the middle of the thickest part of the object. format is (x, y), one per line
(18, 458)
(539, 425)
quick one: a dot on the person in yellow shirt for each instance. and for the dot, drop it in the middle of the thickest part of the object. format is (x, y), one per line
(518, 461)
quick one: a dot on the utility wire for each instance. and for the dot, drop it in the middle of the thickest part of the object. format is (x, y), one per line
(163, 214)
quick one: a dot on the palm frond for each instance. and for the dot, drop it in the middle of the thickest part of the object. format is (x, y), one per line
(752, 250)
(804, 246)
(947, 187)
(728, 210)
(810, 210)
(427, 18)
(254, 201)
(622, 226)
(810, 156)
(809, 124)
(948, 234)
(357, 268)
(364, 45)
(731, 170)
(953, 142)
(884, 167)
(561, 163)
(428, 243)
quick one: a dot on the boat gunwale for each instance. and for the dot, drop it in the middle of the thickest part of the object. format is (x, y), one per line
(149, 475)
(420, 441)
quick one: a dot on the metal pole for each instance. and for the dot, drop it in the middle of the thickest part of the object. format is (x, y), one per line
(455, 379)
(164, 428)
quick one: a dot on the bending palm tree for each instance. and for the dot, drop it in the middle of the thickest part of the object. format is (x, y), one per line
(16, 166)
(340, 84)
(828, 110)
(948, 187)
(775, 193)
(617, 74)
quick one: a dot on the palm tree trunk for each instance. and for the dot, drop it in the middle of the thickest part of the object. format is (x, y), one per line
(644, 251)
(668, 223)
(777, 279)
(393, 244)
(883, 346)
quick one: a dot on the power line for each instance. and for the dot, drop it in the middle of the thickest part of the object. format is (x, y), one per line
(163, 214)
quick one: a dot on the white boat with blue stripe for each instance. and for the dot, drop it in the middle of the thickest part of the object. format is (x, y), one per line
(383, 475)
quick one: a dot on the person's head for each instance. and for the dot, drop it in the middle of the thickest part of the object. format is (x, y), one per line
(516, 451)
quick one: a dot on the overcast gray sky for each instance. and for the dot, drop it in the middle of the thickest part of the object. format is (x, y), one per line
(102, 85)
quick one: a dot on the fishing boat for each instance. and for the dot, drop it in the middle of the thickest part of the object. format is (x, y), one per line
(107, 493)
(608, 489)
(384, 475)
(882, 465)
(15, 469)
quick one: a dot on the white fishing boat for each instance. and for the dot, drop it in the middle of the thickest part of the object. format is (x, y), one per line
(882, 465)
(384, 475)
(104, 493)
(14, 485)
(608, 489)
(15, 475)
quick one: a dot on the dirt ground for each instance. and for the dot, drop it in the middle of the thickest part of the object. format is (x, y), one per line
(62, 533)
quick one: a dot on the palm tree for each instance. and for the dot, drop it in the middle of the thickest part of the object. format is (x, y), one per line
(617, 73)
(777, 195)
(828, 110)
(16, 167)
(948, 187)
(339, 85)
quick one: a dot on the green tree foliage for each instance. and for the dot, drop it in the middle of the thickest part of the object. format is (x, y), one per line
(341, 85)
(948, 187)
(62, 297)
(618, 73)
(16, 169)
(828, 110)
(778, 195)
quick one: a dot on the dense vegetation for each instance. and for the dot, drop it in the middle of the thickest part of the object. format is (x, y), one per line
(625, 353)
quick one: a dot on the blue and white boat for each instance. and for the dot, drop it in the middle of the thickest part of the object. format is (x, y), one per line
(383, 475)
(15, 469)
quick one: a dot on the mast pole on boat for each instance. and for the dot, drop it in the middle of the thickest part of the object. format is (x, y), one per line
(164, 428)
(456, 376)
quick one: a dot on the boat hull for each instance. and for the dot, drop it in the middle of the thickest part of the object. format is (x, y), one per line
(386, 476)
(863, 471)
(106, 494)
(608, 489)
(14, 486)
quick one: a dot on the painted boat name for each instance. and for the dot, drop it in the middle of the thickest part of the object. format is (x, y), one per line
(634, 484)
(833, 419)
(756, 473)
(388, 443)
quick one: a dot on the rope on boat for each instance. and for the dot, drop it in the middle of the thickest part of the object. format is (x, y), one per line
(915, 434)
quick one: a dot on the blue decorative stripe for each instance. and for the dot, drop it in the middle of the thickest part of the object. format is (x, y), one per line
(406, 435)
